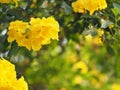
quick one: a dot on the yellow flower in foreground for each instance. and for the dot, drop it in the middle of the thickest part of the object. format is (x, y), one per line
(8, 79)
(115, 87)
(82, 66)
(8, 1)
(35, 33)
(81, 6)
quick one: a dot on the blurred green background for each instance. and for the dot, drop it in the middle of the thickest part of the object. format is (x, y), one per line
(72, 63)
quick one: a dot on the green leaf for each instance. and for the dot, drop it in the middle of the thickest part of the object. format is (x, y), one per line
(66, 7)
(13, 50)
(115, 11)
(3, 43)
(110, 50)
(115, 5)
(118, 18)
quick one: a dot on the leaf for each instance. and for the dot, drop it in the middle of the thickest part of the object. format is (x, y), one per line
(3, 43)
(110, 50)
(115, 11)
(66, 7)
(118, 19)
(13, 50)
(115, 5)
(116, 8)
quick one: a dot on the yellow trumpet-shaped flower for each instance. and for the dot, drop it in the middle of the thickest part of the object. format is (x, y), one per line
(8, 80)
(81, 6)
(8, 1)
(5, 1)
(35, 33)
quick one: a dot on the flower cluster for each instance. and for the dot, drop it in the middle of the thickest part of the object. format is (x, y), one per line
(8, 79)
(35, 33)
(8, 1)
(81, 6)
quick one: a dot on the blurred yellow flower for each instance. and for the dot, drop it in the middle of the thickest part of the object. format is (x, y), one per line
(88, 38)
(94, 72)
(8, 1)
(100, 32)
(97, 40)
(35, 33)
(77, 80)
(82, 66)
(98, 79)
(115, 86)
(103, 78)
(8, 79)
(81, 6)
(63, 88)
(5, 1)
(96, 83)
(33, 4)
(111, 26)
(16, 2)
(71, 56)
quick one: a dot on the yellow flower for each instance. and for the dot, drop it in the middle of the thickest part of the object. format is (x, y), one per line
(97, 40)
(94, 72)
(88, 38)
(77, 80)
(8, 1)
(8, 79)
(100, 32)
(95, 83)
(103, 78)
(33, 4)
(5, 1)
(63, 88)
(35, 33)
(17, 29)
(115, 86)
(82, 66)
(16, 2)
(81, 6)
